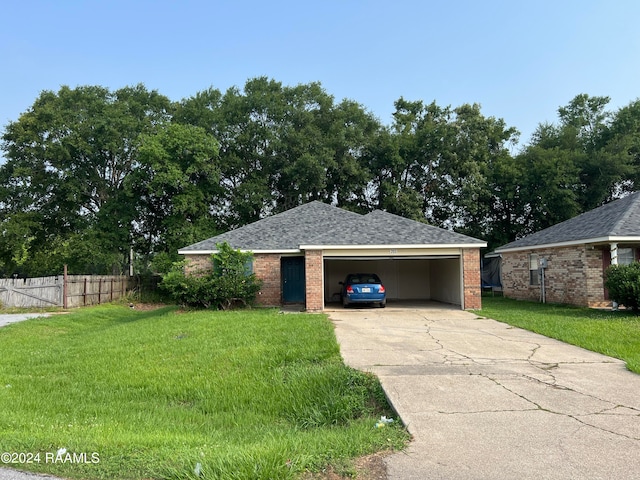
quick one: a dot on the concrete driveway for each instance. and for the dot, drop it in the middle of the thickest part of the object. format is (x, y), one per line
(484, 400)
(7, 318)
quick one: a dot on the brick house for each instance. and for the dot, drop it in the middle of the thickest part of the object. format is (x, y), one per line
(302, 254)
(574, 254)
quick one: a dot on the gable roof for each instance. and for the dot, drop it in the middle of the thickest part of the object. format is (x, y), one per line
(616, 221)
(320, 225)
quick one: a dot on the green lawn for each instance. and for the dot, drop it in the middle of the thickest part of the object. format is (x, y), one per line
(164, 394)
(616, 334)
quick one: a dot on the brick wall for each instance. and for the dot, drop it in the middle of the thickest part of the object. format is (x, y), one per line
(515, 276)
(573, 276)
(471, 278)
(197, 264)
(267, 268)
(314, 282)
(595, 278)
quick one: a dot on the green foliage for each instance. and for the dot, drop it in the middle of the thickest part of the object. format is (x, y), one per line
(175, 183)
(548, 186)
(283, 146)
(246, 394)
(438, 164)
(185, 289)
(162, 263)
(227, 284)
(623, 283)
(92, 173)
(578, 164)
(67, 160)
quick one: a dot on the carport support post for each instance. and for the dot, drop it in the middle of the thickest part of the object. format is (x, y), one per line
(471, 288)
(314, 281)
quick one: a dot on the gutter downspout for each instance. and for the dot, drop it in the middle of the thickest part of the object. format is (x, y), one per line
(614, 261)
(543, 291)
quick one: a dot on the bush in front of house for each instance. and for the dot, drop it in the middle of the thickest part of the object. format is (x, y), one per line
(229, 283)
(623, 283)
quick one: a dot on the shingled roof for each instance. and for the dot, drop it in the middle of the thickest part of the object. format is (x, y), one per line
(320, 224)
(614, 222)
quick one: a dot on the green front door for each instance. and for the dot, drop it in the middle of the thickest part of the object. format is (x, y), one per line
(293, 284)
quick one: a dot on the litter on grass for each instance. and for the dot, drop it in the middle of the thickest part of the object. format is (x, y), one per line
(383, 421)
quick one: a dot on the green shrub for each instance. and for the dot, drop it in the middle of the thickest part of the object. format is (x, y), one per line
(228, 284)
(623, 283)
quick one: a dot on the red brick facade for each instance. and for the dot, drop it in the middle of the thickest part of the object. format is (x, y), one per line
(471, 279)
(574, 275)
(197, 263)
(267, 267)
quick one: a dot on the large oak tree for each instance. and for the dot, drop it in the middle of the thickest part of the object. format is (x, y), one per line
(91, 173)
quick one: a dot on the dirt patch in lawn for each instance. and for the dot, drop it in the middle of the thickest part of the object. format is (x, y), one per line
(369, 467)
(147, 306)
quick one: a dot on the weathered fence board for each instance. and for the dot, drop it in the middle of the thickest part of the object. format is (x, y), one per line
(70, 291)
(31, 292)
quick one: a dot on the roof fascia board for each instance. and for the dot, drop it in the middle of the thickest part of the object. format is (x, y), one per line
(611, 239)
(344, 247)
(210, 252)
(397, 247)
(624, 239)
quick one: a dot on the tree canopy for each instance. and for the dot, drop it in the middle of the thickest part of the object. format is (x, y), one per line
(91, 174)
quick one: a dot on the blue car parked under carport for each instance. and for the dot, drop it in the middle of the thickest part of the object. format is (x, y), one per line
(363, 288)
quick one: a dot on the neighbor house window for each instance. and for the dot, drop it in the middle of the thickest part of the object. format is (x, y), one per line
(534, 278)
(625, 256)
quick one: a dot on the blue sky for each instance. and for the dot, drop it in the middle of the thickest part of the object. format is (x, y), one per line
(519, 59)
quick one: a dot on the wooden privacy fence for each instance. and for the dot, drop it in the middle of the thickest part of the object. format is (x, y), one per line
(66, 291)
(84, 290)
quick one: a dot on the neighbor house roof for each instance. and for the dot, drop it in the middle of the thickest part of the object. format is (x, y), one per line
(616, 221)
(318, 224)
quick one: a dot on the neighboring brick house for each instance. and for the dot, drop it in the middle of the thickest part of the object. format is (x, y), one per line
(575, 255)
(301, 254)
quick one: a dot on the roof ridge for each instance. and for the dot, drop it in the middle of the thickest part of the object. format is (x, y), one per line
(628, 211)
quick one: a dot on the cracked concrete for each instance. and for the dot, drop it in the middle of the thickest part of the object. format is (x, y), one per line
(484, 400)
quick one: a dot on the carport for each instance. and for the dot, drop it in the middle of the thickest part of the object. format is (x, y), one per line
(408, 274)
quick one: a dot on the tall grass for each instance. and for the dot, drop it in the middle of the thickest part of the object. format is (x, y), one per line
(616, 334)
(164, 394)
